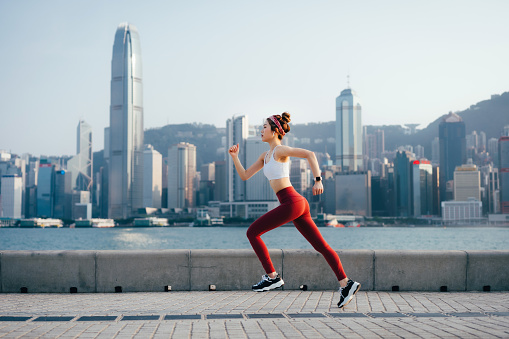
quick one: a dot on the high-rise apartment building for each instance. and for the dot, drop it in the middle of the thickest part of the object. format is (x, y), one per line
(467, 183)
(472, 140)
(493, 150)
(482, 141)
(503, 170)
(81, 165)
(419, 152)
(11, 193)
(237, 132)
(300, 175)
(181, 173)
(152, 177)
(451, 134)
(349, 131)
(126, 125)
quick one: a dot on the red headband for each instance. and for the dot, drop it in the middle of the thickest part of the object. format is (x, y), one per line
(278, 125)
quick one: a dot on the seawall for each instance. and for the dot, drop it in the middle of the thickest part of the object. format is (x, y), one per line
(226, 270)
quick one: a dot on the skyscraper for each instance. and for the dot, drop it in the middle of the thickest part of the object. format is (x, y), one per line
(451, 135)
(81, 164)
(300, 175)
(257, 187)
(45, 189)
(503, 170)
(181, 173)
(11, 192)
(467, 183)
(62, 195)
(348, 131)
(126, 125)
(403, 183)
(422, 188)
(435, 151)
(152, 177)
(237, 131)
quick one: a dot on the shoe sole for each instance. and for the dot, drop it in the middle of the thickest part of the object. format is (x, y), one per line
(271, 287)
(350, 296)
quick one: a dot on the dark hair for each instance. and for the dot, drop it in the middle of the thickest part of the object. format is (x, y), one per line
(283, 120)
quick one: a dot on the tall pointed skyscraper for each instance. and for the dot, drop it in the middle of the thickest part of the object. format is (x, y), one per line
(348, 131)
(126, 125)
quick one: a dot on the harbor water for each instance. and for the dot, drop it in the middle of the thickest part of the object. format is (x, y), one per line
(153, 238)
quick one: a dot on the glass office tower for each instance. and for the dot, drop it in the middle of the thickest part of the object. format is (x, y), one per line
(126, 125)
(348, 131)
(452, 152)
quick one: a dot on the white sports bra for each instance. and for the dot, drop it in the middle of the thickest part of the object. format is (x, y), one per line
(274, 169)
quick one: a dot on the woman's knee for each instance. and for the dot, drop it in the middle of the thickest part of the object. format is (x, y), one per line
(251, 232)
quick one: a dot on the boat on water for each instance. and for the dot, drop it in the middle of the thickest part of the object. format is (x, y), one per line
(353, 224)
(95, 222)
(39, 222)
(204, 219)
(334, 223)
(151, 222)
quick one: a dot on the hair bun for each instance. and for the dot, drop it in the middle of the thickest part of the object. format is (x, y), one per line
(285, 117)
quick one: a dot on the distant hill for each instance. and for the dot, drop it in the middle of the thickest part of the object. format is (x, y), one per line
(206, 138)
(489, 116)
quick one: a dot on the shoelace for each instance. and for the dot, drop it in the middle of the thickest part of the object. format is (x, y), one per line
(265, 277)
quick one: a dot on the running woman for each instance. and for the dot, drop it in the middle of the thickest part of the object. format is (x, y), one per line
(293, 206)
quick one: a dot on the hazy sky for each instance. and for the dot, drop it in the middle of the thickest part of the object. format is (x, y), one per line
(204, 61)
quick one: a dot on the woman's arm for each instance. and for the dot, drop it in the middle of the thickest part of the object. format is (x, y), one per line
(283, 152)
(252, 170)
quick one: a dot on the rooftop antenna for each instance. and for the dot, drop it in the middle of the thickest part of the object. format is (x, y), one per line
(348, 81)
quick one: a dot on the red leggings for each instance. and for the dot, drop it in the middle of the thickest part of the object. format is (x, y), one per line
(294, 207)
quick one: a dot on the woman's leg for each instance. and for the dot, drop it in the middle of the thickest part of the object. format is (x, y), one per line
(309, 230)
(270, 220)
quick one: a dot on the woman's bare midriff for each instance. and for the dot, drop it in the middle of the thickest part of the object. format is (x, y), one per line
(279, 184)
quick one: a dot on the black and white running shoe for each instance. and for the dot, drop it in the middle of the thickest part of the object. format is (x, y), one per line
(268, 284)
(346, 293)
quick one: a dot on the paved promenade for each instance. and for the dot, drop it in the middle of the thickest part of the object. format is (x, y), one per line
(246, 314)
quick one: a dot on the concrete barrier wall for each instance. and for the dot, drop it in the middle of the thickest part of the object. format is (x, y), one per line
(197, 270)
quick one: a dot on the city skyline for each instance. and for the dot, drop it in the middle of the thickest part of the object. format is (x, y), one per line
(410, 63)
